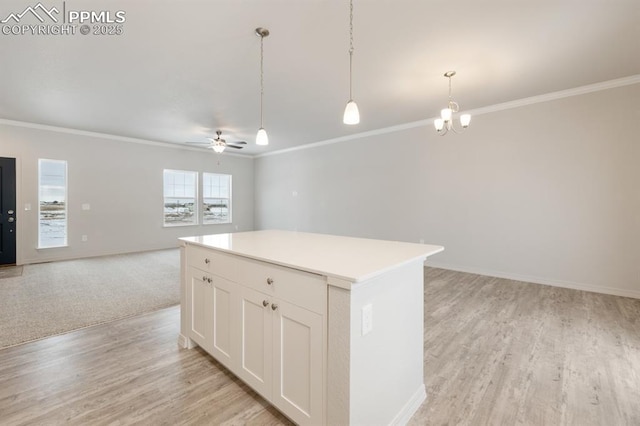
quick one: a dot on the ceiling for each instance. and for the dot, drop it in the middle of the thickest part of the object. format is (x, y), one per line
(182, 70)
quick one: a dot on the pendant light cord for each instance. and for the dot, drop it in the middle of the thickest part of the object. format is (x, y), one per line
(350, 49)
(261, 77)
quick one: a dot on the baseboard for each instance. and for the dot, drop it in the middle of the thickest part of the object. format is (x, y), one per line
(185, 343)
(410, 408)
(613, 291)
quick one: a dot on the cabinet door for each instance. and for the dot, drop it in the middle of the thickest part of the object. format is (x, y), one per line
(201, 303)
(224, 338)
(255, 340)
(298, 363)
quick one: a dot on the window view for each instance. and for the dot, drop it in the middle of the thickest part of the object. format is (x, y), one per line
(52, 203)
(216, 198)
(180, 189)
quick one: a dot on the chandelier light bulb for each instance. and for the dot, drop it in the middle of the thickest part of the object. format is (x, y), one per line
(218, 148)
(438, 123)
(465, 119)
(446, 114)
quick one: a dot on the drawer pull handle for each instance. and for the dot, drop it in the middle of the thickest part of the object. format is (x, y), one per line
(274, 307)
(269, 281)
(207, 261)
(265, 303)
(209, 280)
(204, 279)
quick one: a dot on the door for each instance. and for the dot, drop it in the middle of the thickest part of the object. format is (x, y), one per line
(200, 295)
(225, 328)
(255, 340)
(298, 363)
(7, 211)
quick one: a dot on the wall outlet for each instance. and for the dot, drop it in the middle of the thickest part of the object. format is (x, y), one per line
(421, 240)
(85, 238)
(367, 319)
(86, 206)
(27, 207)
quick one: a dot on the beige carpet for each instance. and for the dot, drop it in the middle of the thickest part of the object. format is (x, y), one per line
(57, 297)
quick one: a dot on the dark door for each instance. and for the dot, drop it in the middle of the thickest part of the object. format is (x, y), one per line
(7, 211)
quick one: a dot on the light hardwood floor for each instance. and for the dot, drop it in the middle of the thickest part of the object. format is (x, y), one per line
(497, 352)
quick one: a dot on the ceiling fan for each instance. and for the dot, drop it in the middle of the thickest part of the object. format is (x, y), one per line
(218, 144)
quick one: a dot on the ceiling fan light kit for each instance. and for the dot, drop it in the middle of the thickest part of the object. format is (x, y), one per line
(445, 122)
(351, 113)
(261, 137)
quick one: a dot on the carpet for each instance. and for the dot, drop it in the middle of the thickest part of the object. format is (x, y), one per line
(58, 297)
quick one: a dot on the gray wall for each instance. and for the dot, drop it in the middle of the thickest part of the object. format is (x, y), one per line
(546, 193)
(122, 182)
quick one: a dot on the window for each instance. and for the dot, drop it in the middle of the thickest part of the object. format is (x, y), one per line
(180, 195)
(216, 198)
(52, 203)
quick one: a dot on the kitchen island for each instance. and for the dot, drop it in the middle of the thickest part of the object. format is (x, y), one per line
(328, 329)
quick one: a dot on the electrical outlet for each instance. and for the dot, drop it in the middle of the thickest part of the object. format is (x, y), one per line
(85, 238)
(367, 319)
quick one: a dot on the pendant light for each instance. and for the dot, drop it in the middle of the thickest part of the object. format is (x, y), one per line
(261, 137)
(351, 113)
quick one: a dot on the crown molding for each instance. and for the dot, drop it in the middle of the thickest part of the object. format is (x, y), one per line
(577, 91)
(106, 136)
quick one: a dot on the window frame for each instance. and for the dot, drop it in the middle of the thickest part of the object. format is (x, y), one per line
(196, 199)
(66, 203)
(230, 199)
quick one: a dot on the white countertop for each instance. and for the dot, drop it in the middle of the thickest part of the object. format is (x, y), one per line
(347, 258)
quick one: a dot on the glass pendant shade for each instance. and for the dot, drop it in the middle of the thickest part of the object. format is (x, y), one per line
(438, 123)
(446, 114)
(465, 119)
(261, 137)
(351, 113)
(218, 148)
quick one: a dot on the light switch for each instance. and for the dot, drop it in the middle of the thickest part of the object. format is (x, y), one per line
(367, 319)
(27, 207)
(86, 206)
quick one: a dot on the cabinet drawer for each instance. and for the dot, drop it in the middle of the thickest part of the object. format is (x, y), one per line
(213, 262)
(306, 290)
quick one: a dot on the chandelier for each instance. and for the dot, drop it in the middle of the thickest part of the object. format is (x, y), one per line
(445, 122)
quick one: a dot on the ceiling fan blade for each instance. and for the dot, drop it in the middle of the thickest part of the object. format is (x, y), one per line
(234, 146)
(198, 143)
(239, 142)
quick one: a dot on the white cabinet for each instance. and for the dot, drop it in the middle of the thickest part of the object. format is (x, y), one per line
(282, 354)
(267, 326)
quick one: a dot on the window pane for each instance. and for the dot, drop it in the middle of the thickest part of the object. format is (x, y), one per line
(180, 207)
(52, 203)
(216, 203)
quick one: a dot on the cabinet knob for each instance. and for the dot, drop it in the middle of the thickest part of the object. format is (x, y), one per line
(269, 281)
(265, 303)
(209, 280)
(274, 307)
(207, 261)
(204, 278)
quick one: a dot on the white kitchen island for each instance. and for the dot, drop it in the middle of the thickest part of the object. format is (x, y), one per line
(328, 329)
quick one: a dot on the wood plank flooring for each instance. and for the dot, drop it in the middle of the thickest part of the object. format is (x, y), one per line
(497, 352)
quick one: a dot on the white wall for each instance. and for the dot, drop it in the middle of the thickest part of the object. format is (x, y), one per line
(546, 193)
(122, 182)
